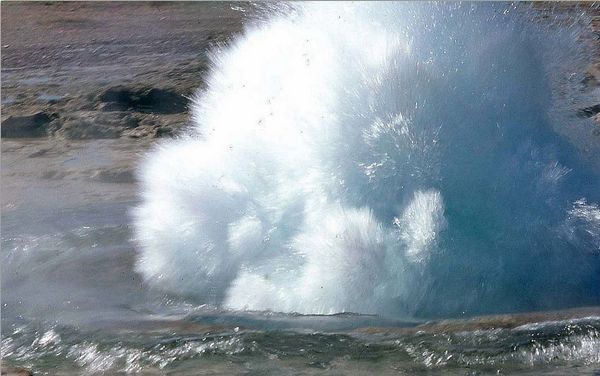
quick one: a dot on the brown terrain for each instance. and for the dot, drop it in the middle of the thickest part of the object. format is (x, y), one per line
(106, 70)
(88, 86)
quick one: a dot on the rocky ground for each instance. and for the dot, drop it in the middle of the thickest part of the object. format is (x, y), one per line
(106, 70)
(87, 87)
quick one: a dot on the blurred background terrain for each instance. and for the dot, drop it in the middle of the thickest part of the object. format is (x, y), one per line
(88, 86)
(106, 70)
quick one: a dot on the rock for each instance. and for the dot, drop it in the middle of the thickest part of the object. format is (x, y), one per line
(137, 133)
(117, 175)
(130, 121)
(588, 112)
(596, 130)
(15, 371)
(82, 129)
(35, 125)
(92, 125)
(592, 77)
(40, 153)
(163, 131)
(144, 99)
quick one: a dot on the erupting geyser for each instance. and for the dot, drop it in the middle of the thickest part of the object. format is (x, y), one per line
(388, 158)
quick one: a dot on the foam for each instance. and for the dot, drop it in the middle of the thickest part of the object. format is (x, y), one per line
(374, 158)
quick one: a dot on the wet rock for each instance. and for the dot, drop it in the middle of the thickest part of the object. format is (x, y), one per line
(596, 130)
(130, 121)
(592, 77)
(82, 129)
(93, 125)
(588, 112)
(138, 133)
(144, 99)
(35, 125)
(164, 131)
(15, 371)
(117, 175)
(40, 153)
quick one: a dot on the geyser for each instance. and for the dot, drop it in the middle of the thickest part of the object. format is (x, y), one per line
(390, 158)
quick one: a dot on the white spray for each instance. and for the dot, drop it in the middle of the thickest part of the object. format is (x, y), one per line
(324, 153)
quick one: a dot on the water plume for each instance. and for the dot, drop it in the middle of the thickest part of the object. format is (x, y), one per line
(391, 158)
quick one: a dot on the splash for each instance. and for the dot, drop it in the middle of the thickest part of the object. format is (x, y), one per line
(390, 158)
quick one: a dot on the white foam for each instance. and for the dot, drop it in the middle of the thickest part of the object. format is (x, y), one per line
(312, 179)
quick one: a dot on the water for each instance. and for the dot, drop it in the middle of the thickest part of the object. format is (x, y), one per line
(562, 347)
(355, 174)
(397, 159)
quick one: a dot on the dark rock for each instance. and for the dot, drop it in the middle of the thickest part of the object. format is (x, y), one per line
(117, 175)
(145, 99)
(35, 125)
(130, 121)
(588, 112)
(40, 153)
(164, 131)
